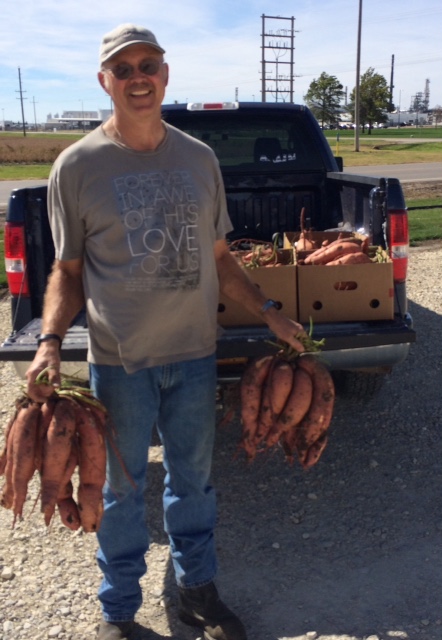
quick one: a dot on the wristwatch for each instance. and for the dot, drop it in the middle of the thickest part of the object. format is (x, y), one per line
(268, 304)
(44, 337)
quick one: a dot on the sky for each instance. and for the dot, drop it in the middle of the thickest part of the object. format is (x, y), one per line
(213, 48)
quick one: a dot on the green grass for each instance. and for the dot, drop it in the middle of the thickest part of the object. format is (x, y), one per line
(392, 132)
(423, 202)
(25, 171)
(424, 224)
(376, 150)
(43, 135)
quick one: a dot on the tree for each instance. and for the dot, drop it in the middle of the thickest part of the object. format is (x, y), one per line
(437, 114)
(374, 99)
(323, 98)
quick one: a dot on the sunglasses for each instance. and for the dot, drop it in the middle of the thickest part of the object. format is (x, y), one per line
(124, 70)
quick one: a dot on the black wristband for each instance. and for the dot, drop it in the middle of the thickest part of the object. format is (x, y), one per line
(44, 337)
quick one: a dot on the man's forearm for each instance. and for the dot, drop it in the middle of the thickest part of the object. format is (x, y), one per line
(64, 298)
(235, 284)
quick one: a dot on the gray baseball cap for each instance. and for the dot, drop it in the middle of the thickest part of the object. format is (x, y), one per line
(123, 36)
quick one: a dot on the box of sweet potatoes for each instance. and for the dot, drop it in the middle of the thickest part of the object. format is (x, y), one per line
(341, 277)
(272, 270)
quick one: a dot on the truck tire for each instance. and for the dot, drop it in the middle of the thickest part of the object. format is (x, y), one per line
(358, 385)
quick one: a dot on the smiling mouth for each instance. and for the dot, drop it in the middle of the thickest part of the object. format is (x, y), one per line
(140, 92)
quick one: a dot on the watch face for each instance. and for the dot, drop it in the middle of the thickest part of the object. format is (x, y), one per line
(270, 303)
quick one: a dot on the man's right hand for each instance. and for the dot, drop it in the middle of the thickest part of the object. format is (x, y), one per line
(47, 357)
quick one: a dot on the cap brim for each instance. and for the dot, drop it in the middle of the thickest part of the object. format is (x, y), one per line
(116, 50)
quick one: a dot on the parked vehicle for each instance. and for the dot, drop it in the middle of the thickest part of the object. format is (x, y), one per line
(276, 163)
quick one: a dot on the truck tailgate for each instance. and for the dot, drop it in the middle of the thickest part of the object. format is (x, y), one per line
(378, 337)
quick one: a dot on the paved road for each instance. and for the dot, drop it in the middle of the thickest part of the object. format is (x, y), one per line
(418, 172)
(6, 186)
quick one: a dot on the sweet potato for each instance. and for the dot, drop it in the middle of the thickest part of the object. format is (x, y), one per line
(46, 413)
(332, 252)
(317, 420)
(24, 440)
(69, 513)
(358, 257)
(252, 383)
(276, 390)
(65, 484)
(7, 493)
(314, 452)
(56, 450)
(67, 507)
(92, 468)
(296, 407)
(91, 447)
(304, 242)
(327, 244)
(90, 507)
(4, 452)
(316, 255)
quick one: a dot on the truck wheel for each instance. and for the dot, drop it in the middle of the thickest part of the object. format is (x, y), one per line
(358, 385)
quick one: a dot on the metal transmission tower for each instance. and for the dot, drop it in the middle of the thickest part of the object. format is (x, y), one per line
(281, 42)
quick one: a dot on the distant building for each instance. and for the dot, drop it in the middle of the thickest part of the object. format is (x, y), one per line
(401, 118)
(78, 119)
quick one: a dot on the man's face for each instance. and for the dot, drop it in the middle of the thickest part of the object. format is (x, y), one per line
(135, 95)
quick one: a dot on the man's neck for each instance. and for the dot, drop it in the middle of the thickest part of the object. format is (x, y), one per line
(142, 137)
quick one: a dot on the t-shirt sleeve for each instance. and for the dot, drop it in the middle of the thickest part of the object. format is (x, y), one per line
(223, 223)
(66, 225)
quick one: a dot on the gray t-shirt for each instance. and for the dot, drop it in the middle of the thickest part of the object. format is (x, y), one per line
(145, 224)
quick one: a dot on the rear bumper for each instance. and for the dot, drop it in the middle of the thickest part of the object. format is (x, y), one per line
(351, 345)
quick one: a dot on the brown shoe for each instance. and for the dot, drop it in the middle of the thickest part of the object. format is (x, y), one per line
(115, 630)
(201, 607)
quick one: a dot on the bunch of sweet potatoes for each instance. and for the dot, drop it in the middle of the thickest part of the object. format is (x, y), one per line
(287, 402)
(342, 251)
(55, 438)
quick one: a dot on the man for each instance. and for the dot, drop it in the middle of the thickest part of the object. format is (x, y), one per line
(139, 220)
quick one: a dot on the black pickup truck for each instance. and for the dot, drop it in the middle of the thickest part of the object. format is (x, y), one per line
(276, 162)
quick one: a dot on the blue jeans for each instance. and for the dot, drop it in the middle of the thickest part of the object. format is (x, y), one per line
(180, 399)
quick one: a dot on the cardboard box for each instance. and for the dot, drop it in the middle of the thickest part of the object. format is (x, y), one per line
(278, 283)
(350, 292)
(341, 293)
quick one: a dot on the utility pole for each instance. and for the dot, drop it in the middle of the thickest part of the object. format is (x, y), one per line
(391, 84)
(283, 44)
(21, 100)
(358, 77)
(35, 115)
(82, 114)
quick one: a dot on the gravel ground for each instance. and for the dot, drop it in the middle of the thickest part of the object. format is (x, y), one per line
(350, 550)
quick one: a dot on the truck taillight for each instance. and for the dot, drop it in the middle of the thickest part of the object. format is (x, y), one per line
(398, 242)
(15, 259)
